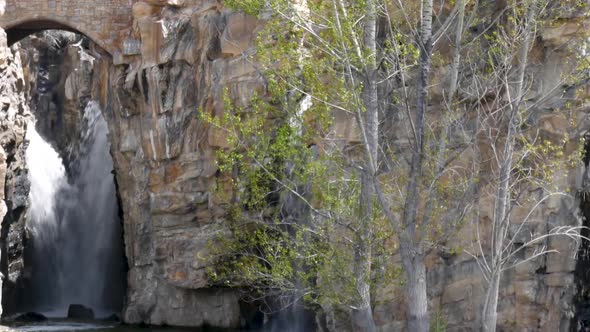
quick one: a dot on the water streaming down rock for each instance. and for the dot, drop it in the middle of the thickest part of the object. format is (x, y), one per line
(77, 255)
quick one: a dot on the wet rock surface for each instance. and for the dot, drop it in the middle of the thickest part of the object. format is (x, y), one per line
(79, 311)
(52, 83)
(14, 117)
(30, 317)
(59, 69)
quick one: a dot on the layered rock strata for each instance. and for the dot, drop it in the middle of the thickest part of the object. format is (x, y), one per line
(174, 66)
(187, 54)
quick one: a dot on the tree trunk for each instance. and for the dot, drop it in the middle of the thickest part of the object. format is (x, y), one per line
(417, 310)
(410, 247)
(490, 314)
(362, 318)
(501, 220)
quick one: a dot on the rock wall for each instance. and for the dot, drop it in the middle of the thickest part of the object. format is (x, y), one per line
(174, 199)
(166, 168)
(14, 117)
(538, 295)
(165, 156)
(59, 72)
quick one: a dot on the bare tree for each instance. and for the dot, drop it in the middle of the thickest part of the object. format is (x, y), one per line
(511, 169)
(363, 63)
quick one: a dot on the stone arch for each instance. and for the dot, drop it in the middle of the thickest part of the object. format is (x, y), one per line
(107, 22)
(21, 29)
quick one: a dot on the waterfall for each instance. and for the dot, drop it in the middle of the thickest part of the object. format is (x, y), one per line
(76, 255)
(47, 176)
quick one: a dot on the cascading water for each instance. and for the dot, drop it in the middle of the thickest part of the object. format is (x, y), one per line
(74, 223)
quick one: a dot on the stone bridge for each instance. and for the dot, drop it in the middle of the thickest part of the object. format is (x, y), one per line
(106, 22)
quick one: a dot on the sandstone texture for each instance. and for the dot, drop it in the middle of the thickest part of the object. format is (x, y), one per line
(542, 294)
(164, 156)
(153, 80)
(105, 23)
(165, 159)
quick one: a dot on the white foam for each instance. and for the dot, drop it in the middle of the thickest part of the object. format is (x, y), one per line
(61, 327)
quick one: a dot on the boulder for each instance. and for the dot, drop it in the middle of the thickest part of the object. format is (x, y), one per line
(114, 318)
(78, 311)
(30, 317)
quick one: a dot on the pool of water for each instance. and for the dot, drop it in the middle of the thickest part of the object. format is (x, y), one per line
(65, 326)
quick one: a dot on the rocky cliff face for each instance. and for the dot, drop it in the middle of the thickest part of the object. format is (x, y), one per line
(14, 117)
(165, 156)
(59, 71)
(182, 55)
(169, 185)
(538, 295)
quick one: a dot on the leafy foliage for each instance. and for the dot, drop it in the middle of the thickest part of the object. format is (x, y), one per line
(297, 217)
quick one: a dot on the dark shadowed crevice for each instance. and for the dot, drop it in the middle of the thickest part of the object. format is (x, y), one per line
(581, 319)
(120, 284)
(21, 31)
